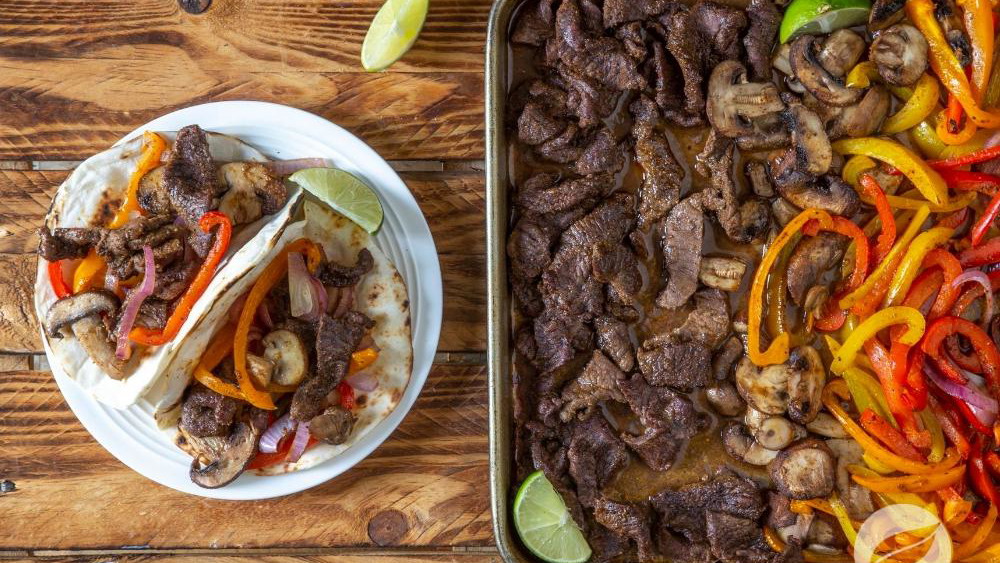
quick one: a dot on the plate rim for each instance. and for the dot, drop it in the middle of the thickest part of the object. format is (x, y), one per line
(426, 290)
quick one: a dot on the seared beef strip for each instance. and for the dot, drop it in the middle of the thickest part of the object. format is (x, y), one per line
(207, 413)
(595, 455)
(680, 239)
(613, 340)
(600, 57)
(662, 175)
(685, 510)
(681, 365)
(66, 243)
(333, 274)
(597, 382)
(630, 521)
(336, 340)
(543, 194)
(534, 26)
(709, 321)
(189, 178)
(759, 40)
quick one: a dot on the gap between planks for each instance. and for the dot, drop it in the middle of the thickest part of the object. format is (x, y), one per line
(397, 165)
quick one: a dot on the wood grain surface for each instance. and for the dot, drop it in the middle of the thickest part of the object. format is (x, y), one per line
(77, 74)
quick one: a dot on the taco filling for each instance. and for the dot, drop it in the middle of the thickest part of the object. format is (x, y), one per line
(135, 277)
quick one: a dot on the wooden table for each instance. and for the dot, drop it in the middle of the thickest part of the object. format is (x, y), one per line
(75, 75)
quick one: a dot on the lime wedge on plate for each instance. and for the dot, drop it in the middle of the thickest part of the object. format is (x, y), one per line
(345, 193)
(393, 31)
(544, 524)
(819, 17)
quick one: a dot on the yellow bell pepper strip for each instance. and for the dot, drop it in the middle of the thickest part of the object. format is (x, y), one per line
(89, 272)
(926, 179)
(912, 483)
(876, 465)
(970, 546)
(775, 542)
(777, 352)
(978, 19)
(837, 389)
(946, 65)
(912, 260)
(954, 131)
(208, 221)
(271, 276)
(888, 264)
(861, 75)
(954, 204)
(845, 357)
(916, 109)
(924, 136)
(840, 513)
(854, 167)
(362, 359)
(937, 435)
(153, 146)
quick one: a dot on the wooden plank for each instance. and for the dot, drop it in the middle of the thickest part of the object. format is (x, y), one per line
(18, 327)
(76, 75)
(14, 362)
(423, 487)
(452, 202)
(373, 557)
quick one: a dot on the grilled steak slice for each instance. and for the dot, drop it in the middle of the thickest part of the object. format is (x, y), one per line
(336, 340)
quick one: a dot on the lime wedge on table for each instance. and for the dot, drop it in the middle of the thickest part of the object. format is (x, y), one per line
(544, 524)
(392, 33)
(819, 17)
(345, 193)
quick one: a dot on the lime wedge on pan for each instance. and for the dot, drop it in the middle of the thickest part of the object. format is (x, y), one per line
(819, 17)
(393, 31)
(544, 524)
(345, 193)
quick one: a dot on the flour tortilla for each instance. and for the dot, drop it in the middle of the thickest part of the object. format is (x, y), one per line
(83, 200)
(381, 295)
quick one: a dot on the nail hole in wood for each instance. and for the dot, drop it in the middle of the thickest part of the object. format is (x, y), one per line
(195, 6)
(387, 528)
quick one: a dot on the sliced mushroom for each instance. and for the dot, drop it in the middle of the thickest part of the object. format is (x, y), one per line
(781, 63)
(765, 389)
(815, 298)
(829, 193)
(226, 457)
(725, 399)
(885, 13)
(863, 118)
(809, 139)
(733, 102)
(805, 470)
(93, 337)
(811, 258)
(68, 310)
(827, 426)
(805, 384)
(775, 433)
(753, 418)
(257, 179)
(334, 426)
(722, 272)
(760, 182)
(755, 220)
(261, 369)
(285, 351)
(740, 445)
(841, 51)
(900, 52)
(766, 132)
(783, 211)
(856, 498)
(819, 81)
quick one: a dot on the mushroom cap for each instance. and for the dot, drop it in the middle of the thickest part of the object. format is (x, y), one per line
(68, 310)
(733, 101)
(805, 470)
(815, 78)
(900, 54)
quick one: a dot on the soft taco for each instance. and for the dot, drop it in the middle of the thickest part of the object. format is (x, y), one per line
(296, 361)
(137, 241)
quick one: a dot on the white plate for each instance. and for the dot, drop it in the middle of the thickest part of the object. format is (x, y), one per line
(282, 132)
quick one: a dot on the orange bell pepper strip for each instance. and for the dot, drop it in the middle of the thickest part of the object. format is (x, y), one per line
(911, 483)
(777, 352)
(832, 318)
(978, 18)
(362, 359)
(153, 146)
(89, 272)
(271, 276)
(208, 221)
(887, 236)
(57, 280)
(221, 345)
(775, 542)
(889, 436)
(971, 546)
(951, 268)
(946, 65)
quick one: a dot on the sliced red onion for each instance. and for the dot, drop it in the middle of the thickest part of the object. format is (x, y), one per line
(984, 416)
(123, 351)
(300, 290)
(982, 279)
(993, 141)
(286, 167)
(362, 381)
(970, 393)
(345, 303)
(263, 315)
(273, 436)
(237, 308)
(319, 299)
(300, 442)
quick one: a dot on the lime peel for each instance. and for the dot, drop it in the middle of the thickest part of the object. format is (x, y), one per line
(392, 32)
(819, 17)
(544, 524)
(345, 193)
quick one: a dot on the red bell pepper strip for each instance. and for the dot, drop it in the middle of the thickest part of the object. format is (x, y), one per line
(964, 180)
(887, 236)
(987, 253)
(916, 395)
(951, 268)
(832, 317)
(964, 361)
(889, 436)
(951, 425)
(976, 157)
(954, 219)
(986, 350)
(208, 221)
(992, 460)
(59, 285)
(262, 460)
(981, 481)
(985, 221)
(346, 395)
(892, 374)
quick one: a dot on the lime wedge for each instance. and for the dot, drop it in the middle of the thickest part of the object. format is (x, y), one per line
(345, 193)
(544, 524)
(819, 17)
(393, 31)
